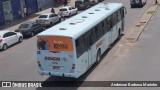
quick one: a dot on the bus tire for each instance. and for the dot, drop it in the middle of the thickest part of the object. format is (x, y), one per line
(98, 57)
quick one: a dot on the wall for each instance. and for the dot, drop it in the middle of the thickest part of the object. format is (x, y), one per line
(43, 4)
(32, 4)
(16, 9)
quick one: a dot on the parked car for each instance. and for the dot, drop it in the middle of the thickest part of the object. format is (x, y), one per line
(137, 3)
(68, 11)
(93, 2)
(30, 28)
(100, 0)
(48, 19)
(83, 4)
(7, 38)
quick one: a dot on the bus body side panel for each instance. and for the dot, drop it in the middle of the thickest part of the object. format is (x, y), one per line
(83, 60)
(82, 64)
(107, 39)
(105, 42)
(110, 36)
(119, 27)
(114, 33)
(94, 53)
(123, 24)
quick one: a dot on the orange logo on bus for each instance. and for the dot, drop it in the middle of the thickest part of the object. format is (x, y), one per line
(54, 43)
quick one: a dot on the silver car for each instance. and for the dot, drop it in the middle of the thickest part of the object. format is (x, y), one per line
(68, 11)
(49, 19)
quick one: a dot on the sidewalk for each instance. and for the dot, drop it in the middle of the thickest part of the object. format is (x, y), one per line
(14, 25)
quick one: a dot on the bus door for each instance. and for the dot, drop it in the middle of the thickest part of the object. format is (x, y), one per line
(87, 39)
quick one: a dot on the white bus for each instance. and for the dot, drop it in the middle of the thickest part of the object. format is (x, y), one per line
(70, 48)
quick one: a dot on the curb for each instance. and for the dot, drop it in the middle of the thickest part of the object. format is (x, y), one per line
(136, 30)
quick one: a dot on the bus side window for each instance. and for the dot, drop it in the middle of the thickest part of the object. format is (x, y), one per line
(122, 12)
(114, 17)
(98, 31)
(105, 26)
(100, 27)
(80, 46)
(119, 15)
(110, 22)
(93, 36)
(113, 20)
(87, 39)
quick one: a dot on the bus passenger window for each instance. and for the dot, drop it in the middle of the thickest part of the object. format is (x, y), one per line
(93, 36)
(122, 12)
(80, 47)
(119, 15)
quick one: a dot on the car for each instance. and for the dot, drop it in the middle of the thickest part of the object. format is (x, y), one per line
(82, 5)
(8, 38)
(137, 3)
(93, 2)
(30, 28)
(68, 11)
(100, 0)
(48, 19)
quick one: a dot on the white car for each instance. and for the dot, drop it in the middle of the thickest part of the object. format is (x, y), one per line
(48, 19)
(68, 11)
(7, 38)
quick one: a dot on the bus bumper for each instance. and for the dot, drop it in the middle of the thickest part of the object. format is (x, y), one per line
(74, 75)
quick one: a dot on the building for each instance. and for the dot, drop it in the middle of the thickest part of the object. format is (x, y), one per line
(11, 10)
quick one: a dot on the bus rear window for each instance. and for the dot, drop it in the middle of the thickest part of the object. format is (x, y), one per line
(54, 43)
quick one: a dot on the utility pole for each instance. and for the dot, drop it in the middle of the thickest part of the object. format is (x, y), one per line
(156, 2)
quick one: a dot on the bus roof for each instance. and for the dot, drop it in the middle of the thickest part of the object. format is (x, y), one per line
(79, 24)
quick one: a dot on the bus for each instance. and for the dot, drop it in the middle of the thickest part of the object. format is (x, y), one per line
(71, 47)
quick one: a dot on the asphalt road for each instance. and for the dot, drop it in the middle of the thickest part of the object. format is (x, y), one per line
(18, 63)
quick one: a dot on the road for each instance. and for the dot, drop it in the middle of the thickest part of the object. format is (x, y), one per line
(18, 63)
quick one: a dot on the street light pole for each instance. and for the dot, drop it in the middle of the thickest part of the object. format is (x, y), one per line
(156, 2)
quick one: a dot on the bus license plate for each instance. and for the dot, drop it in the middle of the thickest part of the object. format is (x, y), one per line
(56, 67)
